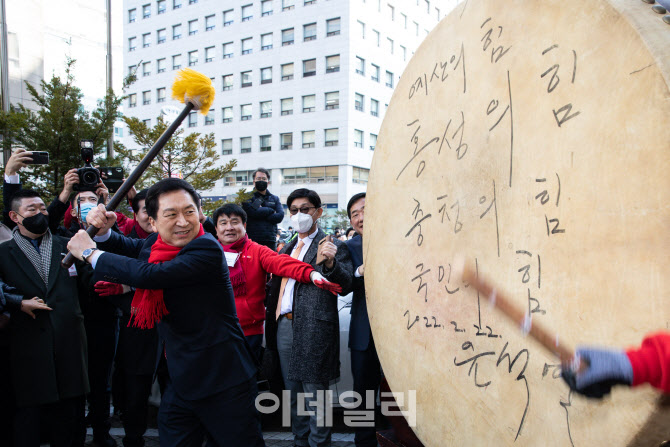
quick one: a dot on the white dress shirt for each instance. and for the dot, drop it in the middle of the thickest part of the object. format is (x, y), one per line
(287, 298)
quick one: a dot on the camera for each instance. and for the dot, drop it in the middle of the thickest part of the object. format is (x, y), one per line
(89, 177)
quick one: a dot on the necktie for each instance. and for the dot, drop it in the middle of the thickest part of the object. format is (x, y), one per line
(284, 280)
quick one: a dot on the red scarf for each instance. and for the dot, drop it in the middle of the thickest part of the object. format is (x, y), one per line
(236, 272)
(148, 306)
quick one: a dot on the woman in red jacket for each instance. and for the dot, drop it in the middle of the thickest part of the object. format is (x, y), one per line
(249, 263)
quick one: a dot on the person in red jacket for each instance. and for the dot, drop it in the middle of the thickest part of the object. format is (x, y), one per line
(650, 363)
(249, 263)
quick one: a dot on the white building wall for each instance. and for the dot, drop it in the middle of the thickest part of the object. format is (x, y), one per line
(348, 44)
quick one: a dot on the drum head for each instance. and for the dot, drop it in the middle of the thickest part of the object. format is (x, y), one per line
(531, 138)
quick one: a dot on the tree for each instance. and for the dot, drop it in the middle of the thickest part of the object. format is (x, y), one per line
(57, 127)
(192, 157)
(339, 220)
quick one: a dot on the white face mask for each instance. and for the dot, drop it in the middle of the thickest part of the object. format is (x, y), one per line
(302, 222)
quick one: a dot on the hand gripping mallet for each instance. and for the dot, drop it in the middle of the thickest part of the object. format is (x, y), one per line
(516, 314)
(193, 89)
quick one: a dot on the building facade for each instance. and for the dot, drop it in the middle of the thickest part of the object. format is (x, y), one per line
(301, 85)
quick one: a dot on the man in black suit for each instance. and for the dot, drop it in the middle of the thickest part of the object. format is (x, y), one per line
(365, 366)
(302, 322)
(48, 352)
(182, 284)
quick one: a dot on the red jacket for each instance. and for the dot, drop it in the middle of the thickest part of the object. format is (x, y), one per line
(651, 362)
(257, 261)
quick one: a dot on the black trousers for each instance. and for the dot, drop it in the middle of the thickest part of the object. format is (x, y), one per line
(7, 402)
(135, 406)
(366, 371)
(64, 422)
(101, 337)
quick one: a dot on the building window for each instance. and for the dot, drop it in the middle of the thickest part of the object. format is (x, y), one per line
(228, 17)
(160, 94)
(209, 54)
(265, 143)
(176, 32)
(360, 66)
(375, 73)
(374, 107)
(377, 37)
(309, 2)
(245, 112)
(245, 145)
(146, 40)
(161, 36)
(239, 178)
(266, 109)
(209, 22)
(227, 146)
(360, 175)
(132, 15)
(315, 174)
(286, 141)
(308, 68)
(287, 5)
(331, 137)
(427, 6)
(391, 12)
(246, 78)
(247, 13)
(176, 4)
(308, 103)
(266, 75)
(160, 7)
(389, 79)
(287, 37)
(309, 32)
(192, 58)
(132, 100)
(358, 138)
(209, 118)
(332, 100)
(227, 82)
(373, 141)
(361, 28)
(160, 65)
(192, 2)
(146, 68)
(147, 122)
(132, 69)
(246, 45)
(192, 119)
(146, 11)
(192, 27)
(118, 132)
(404, 52)
(307, 138)
(176, 62)
(333, 63)
(132, 43)
(287, 72)
(332, 27)
(266, 8)
(227, 50)
(404, 20)
(287, 106)
(358, 102)
(390, 41)
(227, 114)
(416, 29)
(266, 41)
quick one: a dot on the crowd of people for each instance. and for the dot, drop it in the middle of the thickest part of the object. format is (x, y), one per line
(174, 296)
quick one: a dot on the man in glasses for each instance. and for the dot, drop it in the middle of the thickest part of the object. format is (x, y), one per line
(302, 322)
(264, 212)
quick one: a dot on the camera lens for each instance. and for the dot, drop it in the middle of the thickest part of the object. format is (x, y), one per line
(90, 178)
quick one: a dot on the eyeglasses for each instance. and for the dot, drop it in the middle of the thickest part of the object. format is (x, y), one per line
(303, 209)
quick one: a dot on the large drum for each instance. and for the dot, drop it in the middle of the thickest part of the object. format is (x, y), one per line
(532, 138)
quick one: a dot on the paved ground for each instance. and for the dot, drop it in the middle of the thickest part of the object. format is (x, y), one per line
(272, 438)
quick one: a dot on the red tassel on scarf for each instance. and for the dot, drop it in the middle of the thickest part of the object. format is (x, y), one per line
(148, 306)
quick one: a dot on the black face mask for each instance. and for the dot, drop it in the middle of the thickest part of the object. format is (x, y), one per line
(37, 224)
(261, 186)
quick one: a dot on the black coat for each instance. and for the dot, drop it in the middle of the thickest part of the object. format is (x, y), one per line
(264, 212)
(360, 333)
(315, 355)
(48, 354)
(205, 347)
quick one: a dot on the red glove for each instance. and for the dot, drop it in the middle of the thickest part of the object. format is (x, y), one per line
(104, 288)
(322, 283)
